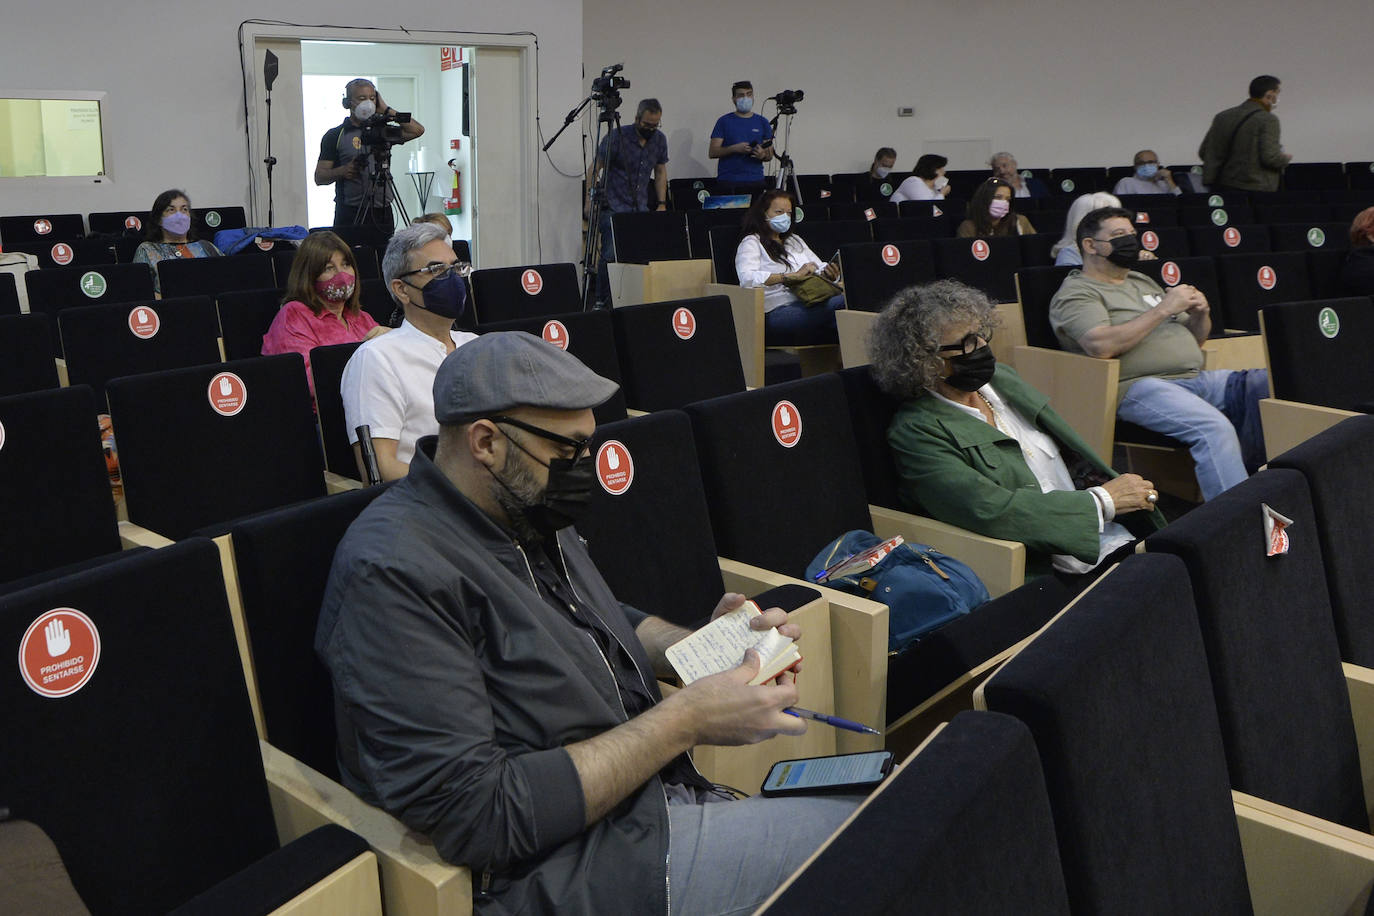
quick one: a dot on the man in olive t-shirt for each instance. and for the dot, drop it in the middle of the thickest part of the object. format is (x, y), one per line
(1108, 311)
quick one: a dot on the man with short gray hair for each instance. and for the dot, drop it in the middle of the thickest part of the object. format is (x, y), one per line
(1004, 166)
(387, 388)
(630, 155)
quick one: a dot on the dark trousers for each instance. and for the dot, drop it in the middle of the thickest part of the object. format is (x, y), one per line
(381, 217)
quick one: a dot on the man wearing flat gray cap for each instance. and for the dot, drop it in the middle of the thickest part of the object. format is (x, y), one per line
(492, 693)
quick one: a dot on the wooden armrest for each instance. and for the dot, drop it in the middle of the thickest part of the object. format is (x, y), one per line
(669, 280)
(415, 881)
(858, 649)
(131, 535)
(999, 563)
(1011, 332)
(628, 283)
(747, 307)
(63, 379)
(853, 326)
(1296, 863)
(635, 412)
(1290, 423)
(337, 483)
(1082, 390)
(1359, 682)
(1234, 353)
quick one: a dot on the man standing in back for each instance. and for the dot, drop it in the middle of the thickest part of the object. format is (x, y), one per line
(738, 141)
(1241, 151)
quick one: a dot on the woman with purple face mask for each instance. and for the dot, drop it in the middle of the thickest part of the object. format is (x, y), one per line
(322, 305)
(991, 212)
(170, 233)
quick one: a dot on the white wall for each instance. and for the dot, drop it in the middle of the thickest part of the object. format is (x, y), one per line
(1068, 83)
(174, 115)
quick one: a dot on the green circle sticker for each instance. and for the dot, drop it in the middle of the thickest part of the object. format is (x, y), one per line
(1328, 322)
(93, 284)
(212, 219)
(702, 195)
(1066, 185)
(1371, 166)
(1219, 217)
(1315, 237)
(1026, 173)
(1215, 201)
(885, 189)
(799, 214)
(698, 185)
(1196, 170)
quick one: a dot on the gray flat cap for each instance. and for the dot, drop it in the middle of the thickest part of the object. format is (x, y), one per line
(504, 369)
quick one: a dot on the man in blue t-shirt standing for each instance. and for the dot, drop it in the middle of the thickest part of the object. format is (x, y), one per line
(738, 141)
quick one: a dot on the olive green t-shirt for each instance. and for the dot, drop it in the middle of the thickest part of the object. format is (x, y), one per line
(1170, 350)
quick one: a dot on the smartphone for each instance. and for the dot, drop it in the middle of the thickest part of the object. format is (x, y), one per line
(840, 774)
(766, 144)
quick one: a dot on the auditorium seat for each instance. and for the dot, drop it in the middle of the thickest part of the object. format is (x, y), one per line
(881, 209)
(699, 226)
(654, 259)
(1324, 272)
(913, 228)
(1311, 212)
(1251, 281)
(26, 360)
(1138, 774)
(938, 834)
(105, 341)
(1149, 216)
(874, 272)
(9, 295)
(209, 220)
(245, 315)
(327, 366)
(362, 234)
(673, 353)
(377, 301)
(586, 335)
(29, 233)
(1283, 699)
(212, 276)
(1360, 175)
(508, 293)
(116, 222)
(51, 291)
(1232, 239)
(1302, 236)
(77, 252)
(987, 264)
(685, 194)
(1313, 176)
(1232, 214)
(1076, 181)
(208, 444)
(647, 471)
(165, 802)
(1319, 370)
(826, 238)
(1035, 248)
(1164, 241)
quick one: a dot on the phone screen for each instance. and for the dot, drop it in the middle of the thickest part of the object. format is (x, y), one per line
(824, 772)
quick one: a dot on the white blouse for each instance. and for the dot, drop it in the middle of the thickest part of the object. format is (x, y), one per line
(915, 189)
(753, 266)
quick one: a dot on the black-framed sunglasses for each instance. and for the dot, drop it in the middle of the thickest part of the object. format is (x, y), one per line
(970, 343)
(581, 447)
(436, 270)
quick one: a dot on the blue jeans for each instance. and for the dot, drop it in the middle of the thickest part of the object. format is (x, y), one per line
(1215, 413)
(794, 324)
(727, 857)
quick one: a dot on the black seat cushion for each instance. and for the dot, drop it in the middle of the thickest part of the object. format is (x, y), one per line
(26, 348)
(874, 272)
(673, 353)
(212, 276)
(1308, 366)
(532, 291)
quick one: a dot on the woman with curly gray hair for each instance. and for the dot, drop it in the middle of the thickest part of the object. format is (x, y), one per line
(977, 447)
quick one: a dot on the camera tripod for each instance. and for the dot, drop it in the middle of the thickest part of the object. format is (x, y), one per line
(380, 177)
(787, 169)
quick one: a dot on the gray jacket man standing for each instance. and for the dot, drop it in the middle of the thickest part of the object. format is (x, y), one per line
(1241, 150)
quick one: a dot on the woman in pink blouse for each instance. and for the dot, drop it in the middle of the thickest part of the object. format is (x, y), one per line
(321, 302)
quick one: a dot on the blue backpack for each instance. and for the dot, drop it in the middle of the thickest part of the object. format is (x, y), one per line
(922, 587)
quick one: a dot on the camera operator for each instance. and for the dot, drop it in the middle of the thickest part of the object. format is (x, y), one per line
(742, 141)
(631, 156)
(351, 154)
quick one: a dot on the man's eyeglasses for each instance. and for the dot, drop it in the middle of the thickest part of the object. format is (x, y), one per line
(581, 447)
(438, 271)
(970, 343)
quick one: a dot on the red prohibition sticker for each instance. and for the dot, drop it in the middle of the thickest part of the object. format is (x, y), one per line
(891, 256)
(228, 394)
(980, 249)
(1142, 217)
(556, 333)
(1266, 277)
(936, 211)
(61, 254)
(1170, 273)
(531, 282)
(786, 424)
(1231, 236)
(684, 323)
(1148, 240)
(265, 244)
(870, 215)
(59, 653)
(42, 226)
(1277, 540)
(143, 322)
(615, 469)
(133, 222)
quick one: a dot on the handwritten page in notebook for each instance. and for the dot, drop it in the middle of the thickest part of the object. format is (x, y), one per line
(720, 645)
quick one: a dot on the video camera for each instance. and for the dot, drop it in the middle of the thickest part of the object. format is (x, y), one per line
(606, 87)
(787, 100)
(379, 133)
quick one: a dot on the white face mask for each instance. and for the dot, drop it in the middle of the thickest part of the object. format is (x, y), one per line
(364, 109)
(882, 171)
(940, 182)
(744, 104)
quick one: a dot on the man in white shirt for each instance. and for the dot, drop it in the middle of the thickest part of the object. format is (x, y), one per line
(388, 384)
(1149, 178)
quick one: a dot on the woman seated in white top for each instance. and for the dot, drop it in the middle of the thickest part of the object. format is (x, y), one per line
(772, 256)
(927, 181)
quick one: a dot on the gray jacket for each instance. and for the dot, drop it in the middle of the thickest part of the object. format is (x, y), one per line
(458, 681)
(1254, 160)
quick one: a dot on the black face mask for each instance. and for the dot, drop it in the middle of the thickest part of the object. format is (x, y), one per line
(646, 132)
(972, 370)
(1125, 250)
(565, 497)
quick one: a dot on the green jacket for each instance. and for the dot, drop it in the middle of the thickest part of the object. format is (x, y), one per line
(969, 473)
(1254, 161)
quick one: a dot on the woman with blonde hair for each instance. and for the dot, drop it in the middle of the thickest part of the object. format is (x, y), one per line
(1065, 250)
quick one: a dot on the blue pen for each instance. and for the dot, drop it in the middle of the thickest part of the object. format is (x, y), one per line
(835, 721)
